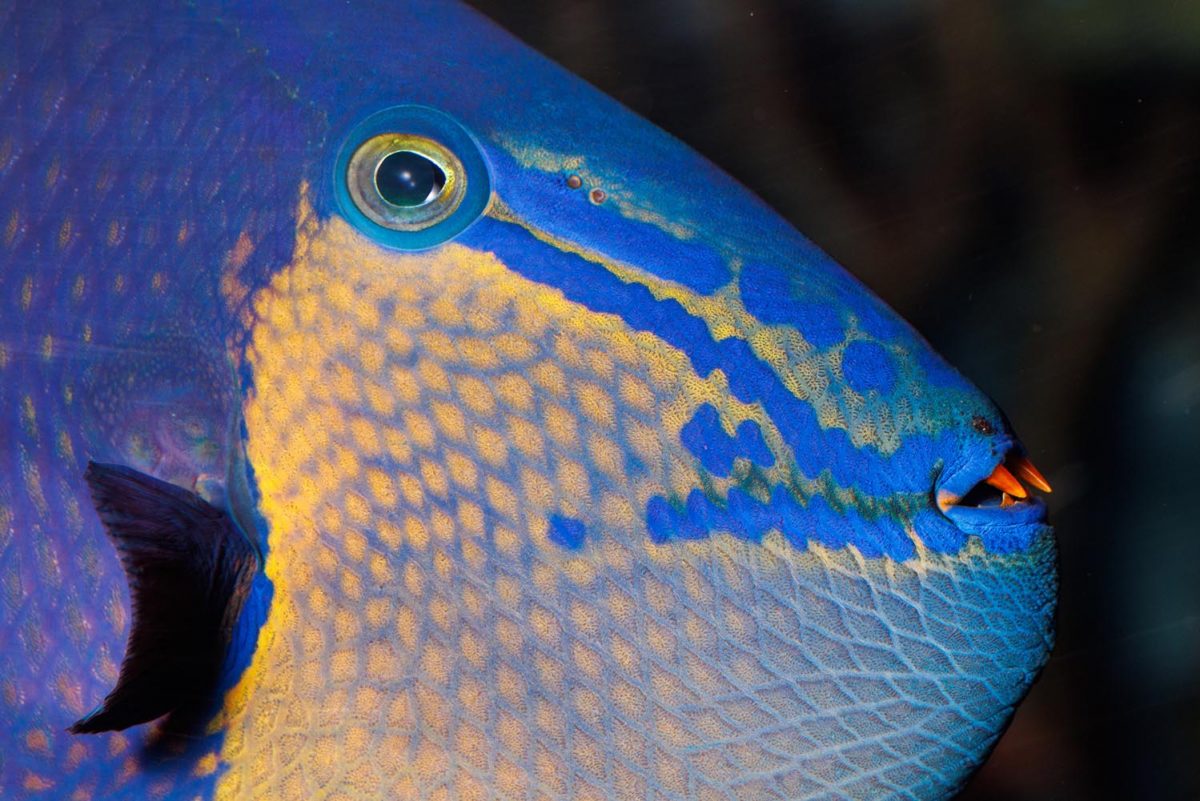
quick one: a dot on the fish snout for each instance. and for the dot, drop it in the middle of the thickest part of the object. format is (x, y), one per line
(988, 490)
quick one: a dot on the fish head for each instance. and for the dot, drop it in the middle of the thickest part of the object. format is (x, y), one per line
(571, 191)
(573, 467)
(608, 407)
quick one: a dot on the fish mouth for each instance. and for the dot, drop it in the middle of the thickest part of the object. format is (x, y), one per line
(993, 493)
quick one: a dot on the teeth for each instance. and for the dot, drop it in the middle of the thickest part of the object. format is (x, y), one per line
(1027, 471)
(1004, 481)
(1005, 477)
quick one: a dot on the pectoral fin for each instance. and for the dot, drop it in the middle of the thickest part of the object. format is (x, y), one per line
(189, 569)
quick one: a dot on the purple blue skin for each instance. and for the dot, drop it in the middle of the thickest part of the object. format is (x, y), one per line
(143, 143)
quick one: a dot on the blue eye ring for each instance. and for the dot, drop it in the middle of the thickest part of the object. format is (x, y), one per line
(432, 135)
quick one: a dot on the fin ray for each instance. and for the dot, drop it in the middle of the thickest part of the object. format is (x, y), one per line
(189, 569)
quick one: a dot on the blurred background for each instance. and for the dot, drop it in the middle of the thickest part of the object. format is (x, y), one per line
(1021, 180)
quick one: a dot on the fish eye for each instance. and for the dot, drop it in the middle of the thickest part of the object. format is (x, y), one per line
(407, 178)
(411, 177)
(405, 182)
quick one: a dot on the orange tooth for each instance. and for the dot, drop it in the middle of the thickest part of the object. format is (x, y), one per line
(1027, 471)
(1004, 481)
(1006, 500)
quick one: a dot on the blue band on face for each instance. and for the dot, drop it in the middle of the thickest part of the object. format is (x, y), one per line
(443, 129)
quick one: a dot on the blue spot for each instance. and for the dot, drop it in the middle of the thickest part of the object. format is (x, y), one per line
(752, 445)
(660, 520)
(765, 298)
(567, 532)
(705, 437)
(867, 366)
(819, 324)
(889, 535)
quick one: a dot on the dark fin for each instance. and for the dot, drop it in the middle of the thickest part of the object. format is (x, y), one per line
(189, 569)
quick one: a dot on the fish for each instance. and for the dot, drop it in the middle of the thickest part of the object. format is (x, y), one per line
(390, 414)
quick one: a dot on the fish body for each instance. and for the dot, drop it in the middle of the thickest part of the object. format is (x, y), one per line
(600, 482)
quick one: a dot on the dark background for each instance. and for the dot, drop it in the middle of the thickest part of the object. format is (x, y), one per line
(1021, 181)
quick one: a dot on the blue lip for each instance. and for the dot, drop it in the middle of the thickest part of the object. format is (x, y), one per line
(975, 519)
(989, 518)
(961, 476)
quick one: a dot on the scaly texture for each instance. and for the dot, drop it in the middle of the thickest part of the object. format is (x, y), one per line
(418, 426)
(622, 499)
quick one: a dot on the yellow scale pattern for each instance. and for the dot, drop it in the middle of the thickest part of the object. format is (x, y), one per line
(415, 420)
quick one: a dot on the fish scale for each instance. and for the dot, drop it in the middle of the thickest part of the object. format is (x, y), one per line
(63, 591)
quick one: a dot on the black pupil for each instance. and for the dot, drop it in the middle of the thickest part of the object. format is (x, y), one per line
(408, 179)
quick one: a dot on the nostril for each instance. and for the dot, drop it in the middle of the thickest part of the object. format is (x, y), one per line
(983, 425)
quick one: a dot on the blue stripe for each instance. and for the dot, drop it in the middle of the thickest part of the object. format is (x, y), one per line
(909, 470)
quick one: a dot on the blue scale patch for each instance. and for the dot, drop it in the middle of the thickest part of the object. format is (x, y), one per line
(782, 297)
(745, 517)
(705, 437)
(763, 296)
(567, 532)
(822, 324)
(867, 366)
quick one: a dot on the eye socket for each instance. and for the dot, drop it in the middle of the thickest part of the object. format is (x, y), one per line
(405, 182)
(411, 177)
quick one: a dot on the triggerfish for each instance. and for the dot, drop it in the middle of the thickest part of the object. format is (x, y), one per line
(388, 414)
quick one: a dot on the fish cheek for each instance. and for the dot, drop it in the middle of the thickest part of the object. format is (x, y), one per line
(163, 405)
